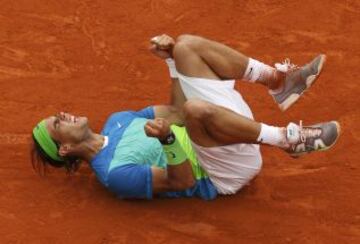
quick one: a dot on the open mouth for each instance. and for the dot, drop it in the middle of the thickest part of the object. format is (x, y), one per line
(74, 119)
(69, 118)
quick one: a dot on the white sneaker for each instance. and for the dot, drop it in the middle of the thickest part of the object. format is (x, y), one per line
(305, 139)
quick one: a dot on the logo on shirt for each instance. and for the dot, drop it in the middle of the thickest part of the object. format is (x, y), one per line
(119, 125)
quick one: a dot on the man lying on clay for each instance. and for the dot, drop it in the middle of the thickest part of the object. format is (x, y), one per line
(148, 153)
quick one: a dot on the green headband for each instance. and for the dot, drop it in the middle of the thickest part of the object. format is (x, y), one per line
(42, 137)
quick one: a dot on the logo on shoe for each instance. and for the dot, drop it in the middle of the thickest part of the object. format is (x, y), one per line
(319, 144)
(300, 147)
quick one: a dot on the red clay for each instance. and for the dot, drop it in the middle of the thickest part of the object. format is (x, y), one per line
(91, 58)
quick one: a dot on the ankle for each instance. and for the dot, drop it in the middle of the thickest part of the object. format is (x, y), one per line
(275, 136)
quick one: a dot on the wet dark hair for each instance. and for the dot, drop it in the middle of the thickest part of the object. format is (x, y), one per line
(40, 160)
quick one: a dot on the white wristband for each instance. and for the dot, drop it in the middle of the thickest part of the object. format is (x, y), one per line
(172, 68)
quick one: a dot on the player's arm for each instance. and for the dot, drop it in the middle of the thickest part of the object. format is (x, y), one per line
(162, 46)
(171, 113)
(142, 181)
(179, 174)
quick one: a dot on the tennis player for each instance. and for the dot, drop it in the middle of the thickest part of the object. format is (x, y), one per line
(205, 143)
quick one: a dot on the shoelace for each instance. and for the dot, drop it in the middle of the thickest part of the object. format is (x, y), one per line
(308, 132)
(286, 66)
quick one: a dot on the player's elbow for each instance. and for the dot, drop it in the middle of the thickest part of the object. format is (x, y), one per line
(182, 184)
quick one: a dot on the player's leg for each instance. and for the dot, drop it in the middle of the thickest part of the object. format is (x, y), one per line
(198, 57)
(223, 61)
(209, 125)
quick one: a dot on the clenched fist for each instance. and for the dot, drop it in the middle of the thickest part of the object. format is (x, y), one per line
(159, 128)
(162, 46)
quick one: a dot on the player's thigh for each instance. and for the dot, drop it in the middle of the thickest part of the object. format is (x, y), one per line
(225, 62)
(211, 125)
(189, 63)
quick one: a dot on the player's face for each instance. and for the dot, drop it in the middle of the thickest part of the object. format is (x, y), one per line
(67, 128)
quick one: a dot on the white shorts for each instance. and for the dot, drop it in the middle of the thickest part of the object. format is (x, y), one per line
(229, 167)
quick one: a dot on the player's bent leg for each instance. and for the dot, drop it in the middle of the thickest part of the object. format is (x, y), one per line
(286, 82)
(225, 142)
(226, 62)
(229, 63)
(209, 125)
(229, 167)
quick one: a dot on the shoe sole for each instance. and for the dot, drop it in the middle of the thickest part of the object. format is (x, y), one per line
(338, 128)
(309, 82)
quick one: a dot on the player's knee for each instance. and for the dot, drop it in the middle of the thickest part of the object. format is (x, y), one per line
(195, 109)
(181, 51)
(185, 46)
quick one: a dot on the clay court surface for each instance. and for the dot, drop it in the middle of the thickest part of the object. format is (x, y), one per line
(91, 58)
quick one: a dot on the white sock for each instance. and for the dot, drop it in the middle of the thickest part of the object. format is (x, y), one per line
(272, 135)
(258, 71)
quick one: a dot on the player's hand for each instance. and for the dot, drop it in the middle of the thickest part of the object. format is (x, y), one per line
(159, 128)
(162, 46)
